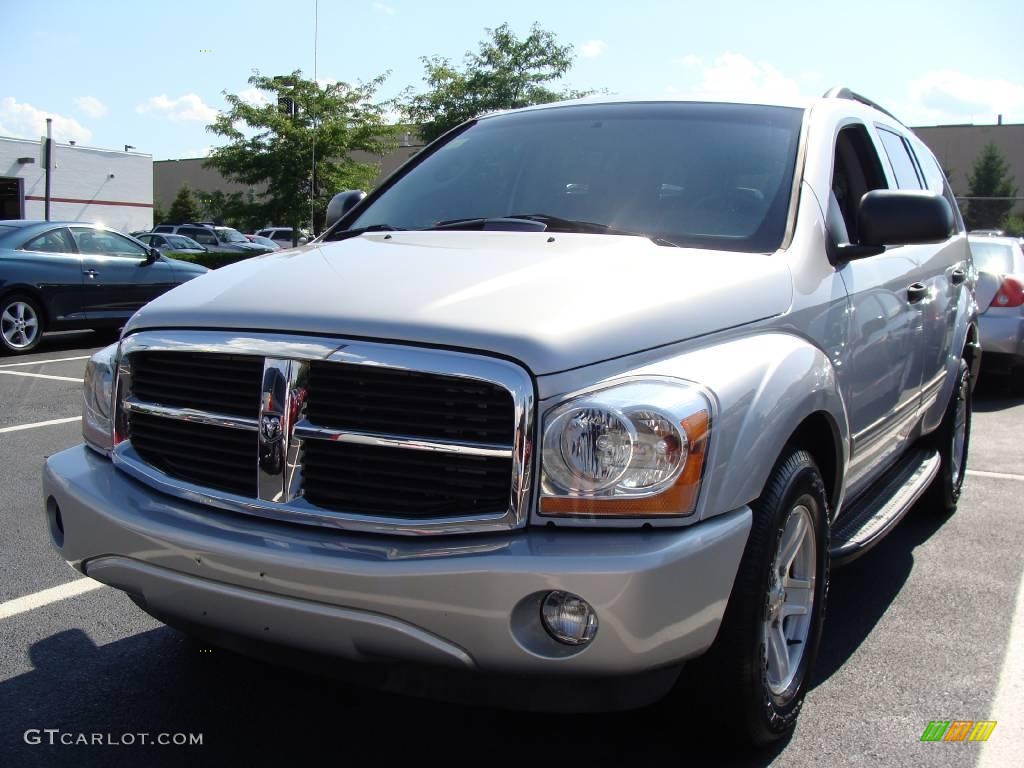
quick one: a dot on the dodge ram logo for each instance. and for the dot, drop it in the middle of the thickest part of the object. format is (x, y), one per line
(270, 427)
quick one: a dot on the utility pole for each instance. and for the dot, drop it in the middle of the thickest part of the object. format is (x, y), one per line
(49, 162)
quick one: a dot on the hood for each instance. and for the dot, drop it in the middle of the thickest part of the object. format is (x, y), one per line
(552, 302)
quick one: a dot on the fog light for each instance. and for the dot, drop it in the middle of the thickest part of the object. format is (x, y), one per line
(568, 618)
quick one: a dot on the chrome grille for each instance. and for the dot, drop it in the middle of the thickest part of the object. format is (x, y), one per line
(354, 435)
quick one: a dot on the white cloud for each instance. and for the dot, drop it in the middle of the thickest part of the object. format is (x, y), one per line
(187, 107)
(950, 96)
(254, 97)
(92, 106)
(734, 76)
(689, 60)
(592, 49)
(386, 9)
(27, 122)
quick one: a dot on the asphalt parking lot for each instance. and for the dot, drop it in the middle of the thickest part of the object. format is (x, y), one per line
(919, 629)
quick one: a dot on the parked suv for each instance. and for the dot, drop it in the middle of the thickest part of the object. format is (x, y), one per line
(582, 393)
(283, 236)
(216, 239)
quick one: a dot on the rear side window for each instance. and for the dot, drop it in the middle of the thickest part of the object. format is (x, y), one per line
(55, 241)
(935, 179)
(164, 228)
(900, 159)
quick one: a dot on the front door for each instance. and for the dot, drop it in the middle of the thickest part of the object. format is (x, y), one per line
(118, 277)
(881, 371)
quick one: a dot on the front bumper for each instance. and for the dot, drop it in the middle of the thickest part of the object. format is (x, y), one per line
(469, 602)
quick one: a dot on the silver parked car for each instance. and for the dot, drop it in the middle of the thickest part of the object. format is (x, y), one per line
(1000, 289)
(584, 392)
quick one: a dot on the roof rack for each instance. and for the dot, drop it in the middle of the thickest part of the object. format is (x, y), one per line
(839, 92)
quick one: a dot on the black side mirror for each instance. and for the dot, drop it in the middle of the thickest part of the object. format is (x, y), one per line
(342, 203)
(152, 255)
(896, 217)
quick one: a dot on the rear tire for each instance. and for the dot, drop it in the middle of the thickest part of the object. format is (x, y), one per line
(952, 440)
(21, 324)
(766, 647)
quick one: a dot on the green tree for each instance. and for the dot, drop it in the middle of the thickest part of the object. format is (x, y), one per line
(505, 73)
(159, 214)
(184, 208)
(990, 178)
(232, 209)
(1014, 226)
(272, 143)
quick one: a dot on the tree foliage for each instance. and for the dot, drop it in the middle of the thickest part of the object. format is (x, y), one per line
(506, 72)
(184, 208)
(271, 143)
(990, 178)
(232, 209)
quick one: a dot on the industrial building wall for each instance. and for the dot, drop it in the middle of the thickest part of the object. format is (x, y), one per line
(87, 184)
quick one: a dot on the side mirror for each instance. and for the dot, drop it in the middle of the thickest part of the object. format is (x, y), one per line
(342, 203)
(896, 217)
(152, 255)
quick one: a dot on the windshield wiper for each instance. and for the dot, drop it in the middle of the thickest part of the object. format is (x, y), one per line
(347, 233)
(541, 222)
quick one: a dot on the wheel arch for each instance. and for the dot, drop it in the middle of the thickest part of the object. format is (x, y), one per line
(24, 289)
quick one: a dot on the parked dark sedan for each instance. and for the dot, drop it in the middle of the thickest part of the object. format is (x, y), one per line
(68, 275)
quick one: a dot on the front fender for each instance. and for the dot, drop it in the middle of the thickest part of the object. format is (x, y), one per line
(764, 386)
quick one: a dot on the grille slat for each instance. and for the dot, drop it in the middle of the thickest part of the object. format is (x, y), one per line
(337, 476)
(388, 400)
(228, 384)
(207, 455)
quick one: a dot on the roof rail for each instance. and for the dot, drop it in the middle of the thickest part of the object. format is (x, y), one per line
(839, 92)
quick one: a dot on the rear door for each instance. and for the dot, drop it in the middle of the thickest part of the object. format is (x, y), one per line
(944, 272)
(118, 278)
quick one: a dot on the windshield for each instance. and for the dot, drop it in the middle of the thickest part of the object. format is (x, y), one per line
(997, 257)
(707, 175)
(228, 235)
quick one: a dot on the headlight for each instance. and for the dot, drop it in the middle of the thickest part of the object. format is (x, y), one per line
(97, 426)
(633, 450)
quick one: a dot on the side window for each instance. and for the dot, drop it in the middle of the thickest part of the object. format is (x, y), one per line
(54, 241)
(102, 243)
(204, 236)
(856, 170)
(163, 228)
(935, 179)
(900, 159)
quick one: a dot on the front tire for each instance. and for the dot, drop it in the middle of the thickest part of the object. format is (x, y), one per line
(770, 634)
(21, 324)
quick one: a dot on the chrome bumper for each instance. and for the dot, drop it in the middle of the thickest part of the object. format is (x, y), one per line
(465, 602)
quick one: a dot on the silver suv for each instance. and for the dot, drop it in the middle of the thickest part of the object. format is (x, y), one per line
(582, 393)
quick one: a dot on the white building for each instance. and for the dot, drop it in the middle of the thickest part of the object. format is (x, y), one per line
(86, 184)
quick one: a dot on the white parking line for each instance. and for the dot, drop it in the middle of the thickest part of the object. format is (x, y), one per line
(47, 596)
(44, 362)
(1006, 744)
(996, 475)
(51, 422)
(39, 376)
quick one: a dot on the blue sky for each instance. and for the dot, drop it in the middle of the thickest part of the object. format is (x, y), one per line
(151, 74)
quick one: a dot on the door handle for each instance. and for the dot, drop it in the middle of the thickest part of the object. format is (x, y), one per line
(916, 292)
(957, 276)
(90, 272)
